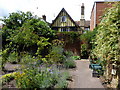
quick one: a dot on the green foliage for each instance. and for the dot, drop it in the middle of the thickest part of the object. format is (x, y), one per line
(7, 78)
(107, 41)
(76, 57)
(57, 42)
(24, 36)
(61, 82)
(88, 36)
(28, 32)
(4, 57)
(84, 50)
(24, 32)
(40, 78)
(55, 55)
(15, 20)
(69, 62)
(13, 57)
(107, 38)
(28, 59)
(68, 53)
(87, 45)
(70, 37)
(29, 41)
(42, 43)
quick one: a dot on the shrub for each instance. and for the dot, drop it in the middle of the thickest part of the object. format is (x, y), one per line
(76, 57)
(107, 41)
(69, 37)
(43, 78)
(7, 78)
(55, 55)
(87, 43)
(62, 82)
(23, 32)
(68, 53)
(84, 52)
(69, 63)
(13, 57)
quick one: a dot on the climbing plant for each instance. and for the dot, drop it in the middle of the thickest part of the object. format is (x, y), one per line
(87, 45)
(69, 37)
(108, 38)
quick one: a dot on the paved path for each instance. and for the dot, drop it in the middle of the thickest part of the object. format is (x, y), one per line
(82, 76)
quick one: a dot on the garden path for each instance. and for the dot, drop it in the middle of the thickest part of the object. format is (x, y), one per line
(82, 76)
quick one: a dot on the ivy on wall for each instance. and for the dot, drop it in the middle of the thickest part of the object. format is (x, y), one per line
(107, 41)
(107, 38)
(69, 37)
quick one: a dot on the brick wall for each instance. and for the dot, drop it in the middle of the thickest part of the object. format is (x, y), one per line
(92, 20)
(98, 12)
(100, 9)
(74, 46)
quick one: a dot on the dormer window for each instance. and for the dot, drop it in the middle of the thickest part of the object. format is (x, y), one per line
(63, 19)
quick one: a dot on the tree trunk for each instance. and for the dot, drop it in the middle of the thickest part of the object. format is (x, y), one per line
(108, 70)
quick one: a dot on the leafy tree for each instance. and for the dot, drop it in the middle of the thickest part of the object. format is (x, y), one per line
(87, 45)
(20, 26)
(107, 39)
(23, 32)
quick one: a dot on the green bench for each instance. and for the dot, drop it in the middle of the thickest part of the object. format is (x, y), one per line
(97, 69)
(92, 66)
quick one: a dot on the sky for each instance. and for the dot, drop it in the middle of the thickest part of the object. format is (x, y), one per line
(50, 8)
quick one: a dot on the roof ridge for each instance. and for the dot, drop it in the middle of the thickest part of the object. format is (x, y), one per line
(63, 10)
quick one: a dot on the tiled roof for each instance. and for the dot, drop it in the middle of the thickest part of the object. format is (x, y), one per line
(87, 23)
(77, 22)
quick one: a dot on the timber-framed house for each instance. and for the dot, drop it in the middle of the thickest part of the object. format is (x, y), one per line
(64, 22)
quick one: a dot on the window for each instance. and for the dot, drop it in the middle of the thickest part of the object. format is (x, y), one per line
(87, 28)
(63, 19)
(64, 29)
(61, 29)
(67, 29)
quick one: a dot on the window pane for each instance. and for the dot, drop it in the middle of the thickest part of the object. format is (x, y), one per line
(63, 18)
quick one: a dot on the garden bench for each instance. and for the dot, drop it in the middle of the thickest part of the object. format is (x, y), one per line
(96, 67)
(93, 65)
(97, 71)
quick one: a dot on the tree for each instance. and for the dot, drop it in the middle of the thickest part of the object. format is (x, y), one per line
(87, 45)
(107, 39)
(23, 32)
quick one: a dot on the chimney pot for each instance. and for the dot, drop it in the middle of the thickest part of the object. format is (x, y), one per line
(44, 17)
(82, 11)
(82, 4)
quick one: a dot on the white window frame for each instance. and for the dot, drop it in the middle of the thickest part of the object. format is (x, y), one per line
(63, 19)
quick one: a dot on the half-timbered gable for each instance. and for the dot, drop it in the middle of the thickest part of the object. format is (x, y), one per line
(64, 22)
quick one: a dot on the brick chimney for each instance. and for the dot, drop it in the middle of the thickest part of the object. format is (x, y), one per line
(44, 17)
(82, 20)
(82, 11)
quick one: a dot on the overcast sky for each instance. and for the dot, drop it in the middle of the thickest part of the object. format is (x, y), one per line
(50, 8)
